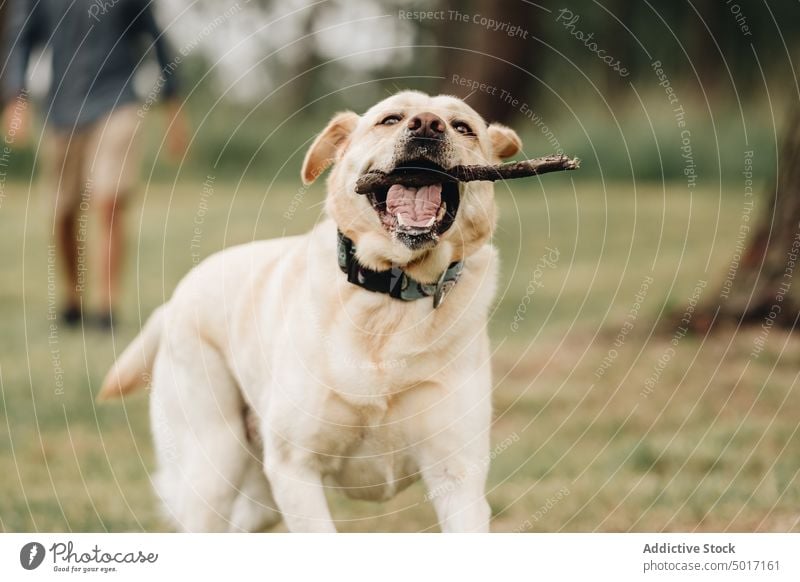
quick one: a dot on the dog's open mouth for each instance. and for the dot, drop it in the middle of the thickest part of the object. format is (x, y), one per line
(417, 215)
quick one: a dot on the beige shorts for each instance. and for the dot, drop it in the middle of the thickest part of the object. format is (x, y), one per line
(98, 162)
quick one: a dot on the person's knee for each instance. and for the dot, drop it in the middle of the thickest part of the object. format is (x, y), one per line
(111, 207)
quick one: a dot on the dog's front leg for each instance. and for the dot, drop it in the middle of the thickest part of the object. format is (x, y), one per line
(456, 489)
(452, 450)
(454, 462)
(297, 489)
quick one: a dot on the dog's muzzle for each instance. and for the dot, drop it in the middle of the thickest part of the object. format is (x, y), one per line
(417, 215)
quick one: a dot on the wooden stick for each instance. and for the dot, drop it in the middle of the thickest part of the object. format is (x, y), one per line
(375, 180)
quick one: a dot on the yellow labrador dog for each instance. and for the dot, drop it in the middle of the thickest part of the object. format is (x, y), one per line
(358, 351)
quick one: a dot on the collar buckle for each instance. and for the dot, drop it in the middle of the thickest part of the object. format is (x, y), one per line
(446, 282)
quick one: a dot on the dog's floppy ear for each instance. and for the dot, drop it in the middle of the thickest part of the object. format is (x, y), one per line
(327, 145)
(505, 141)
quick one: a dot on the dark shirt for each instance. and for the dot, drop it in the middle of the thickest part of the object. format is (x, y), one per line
(96, 46)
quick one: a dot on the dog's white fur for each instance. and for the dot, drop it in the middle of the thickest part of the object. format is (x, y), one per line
(348, 387)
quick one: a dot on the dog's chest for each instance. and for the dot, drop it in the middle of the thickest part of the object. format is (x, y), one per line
(384, 360)
(376, 466)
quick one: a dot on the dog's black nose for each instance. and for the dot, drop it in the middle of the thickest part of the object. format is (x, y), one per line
(426, 125)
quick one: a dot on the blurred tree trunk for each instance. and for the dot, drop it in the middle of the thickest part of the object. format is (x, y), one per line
(621, 46)
(3, 32)
(705, 31)
(764, 285)
(490, 55)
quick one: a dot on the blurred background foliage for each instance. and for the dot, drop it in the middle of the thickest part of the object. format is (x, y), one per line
(261, 77)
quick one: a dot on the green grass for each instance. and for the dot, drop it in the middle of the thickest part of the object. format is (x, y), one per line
(713, 447)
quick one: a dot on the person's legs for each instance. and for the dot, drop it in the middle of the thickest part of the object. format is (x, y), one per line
(67, 244)
(111, 252)
(112, 165)
(64, 171)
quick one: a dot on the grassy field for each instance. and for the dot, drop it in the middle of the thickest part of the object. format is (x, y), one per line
(590, 435)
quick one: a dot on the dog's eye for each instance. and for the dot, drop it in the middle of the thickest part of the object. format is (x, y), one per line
(391, 119)
(463, 128)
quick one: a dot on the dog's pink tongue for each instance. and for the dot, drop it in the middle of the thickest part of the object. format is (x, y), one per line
(416, 206)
